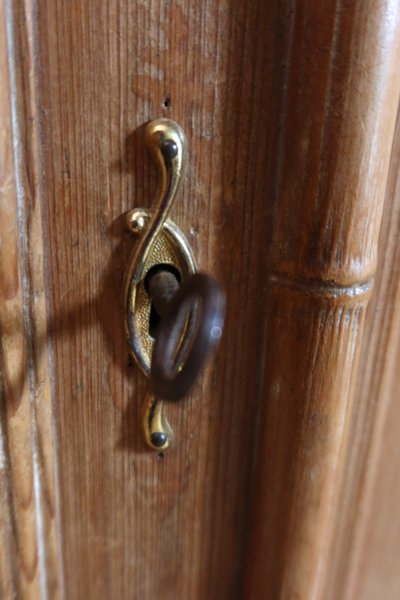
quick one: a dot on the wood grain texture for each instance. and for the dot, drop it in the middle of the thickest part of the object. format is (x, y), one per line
(373, 571)
(30, 555)
(341, 90)
(135, 524)
(289, 112)
(365, 561)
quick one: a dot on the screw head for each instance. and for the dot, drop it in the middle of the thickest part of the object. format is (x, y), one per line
(135, 221)
(169, 149)
(158, 439)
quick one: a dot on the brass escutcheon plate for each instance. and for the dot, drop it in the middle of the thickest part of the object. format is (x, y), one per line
(169, 248)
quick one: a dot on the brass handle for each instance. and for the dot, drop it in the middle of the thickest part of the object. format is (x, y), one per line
(167, 144)
(190, 311)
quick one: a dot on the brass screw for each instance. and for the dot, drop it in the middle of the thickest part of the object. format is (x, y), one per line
(135, 221)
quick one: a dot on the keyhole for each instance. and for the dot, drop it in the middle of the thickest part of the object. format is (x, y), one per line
(154, 317)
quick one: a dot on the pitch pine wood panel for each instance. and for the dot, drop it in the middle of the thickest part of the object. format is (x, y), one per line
(134, 523)
(30, 551)
(279, 103)
(375, 570)
(341, 90)
(369, 535)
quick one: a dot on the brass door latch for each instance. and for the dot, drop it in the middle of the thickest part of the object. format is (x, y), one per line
(174, 316)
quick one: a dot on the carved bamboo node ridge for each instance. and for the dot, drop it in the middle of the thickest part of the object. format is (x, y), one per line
(324, 288)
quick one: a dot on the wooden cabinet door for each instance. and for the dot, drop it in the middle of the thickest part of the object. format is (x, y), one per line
(282, 481)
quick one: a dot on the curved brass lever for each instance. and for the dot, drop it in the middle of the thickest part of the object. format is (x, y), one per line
(190, 308)
(167, 144)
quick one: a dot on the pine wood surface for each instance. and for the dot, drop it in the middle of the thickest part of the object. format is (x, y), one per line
(323, 260)
(289, 111)
(29, 549)
(368, 541)
(131, 522)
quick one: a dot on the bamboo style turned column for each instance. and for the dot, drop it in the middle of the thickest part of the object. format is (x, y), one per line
(340, 92)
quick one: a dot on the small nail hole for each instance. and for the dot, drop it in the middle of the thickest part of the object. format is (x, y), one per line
(166, 103)
(160, 455)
